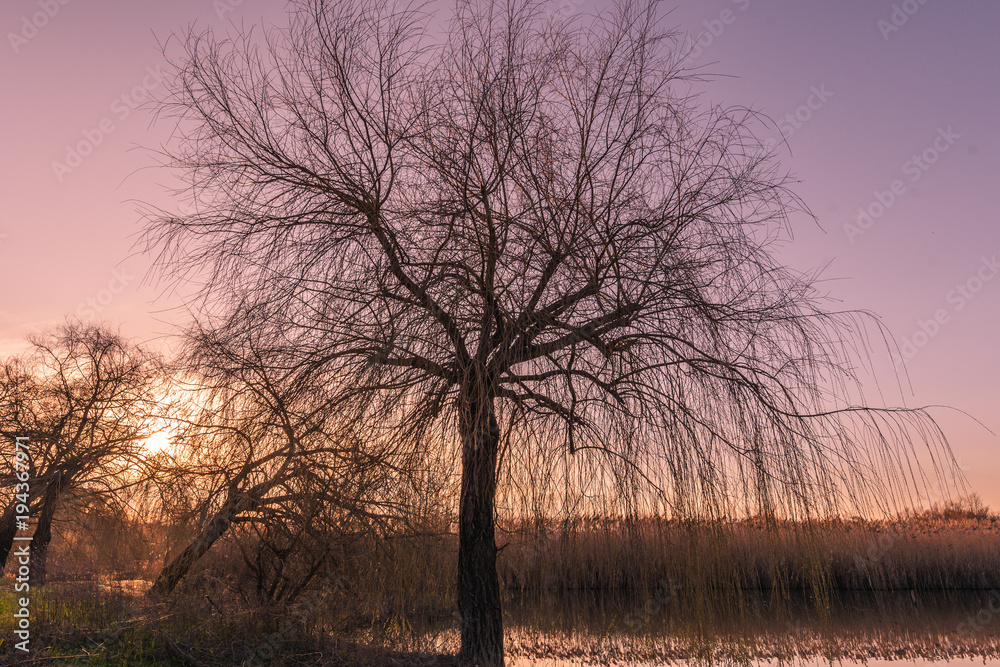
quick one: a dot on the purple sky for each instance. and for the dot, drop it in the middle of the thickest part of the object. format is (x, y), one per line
(905, 101)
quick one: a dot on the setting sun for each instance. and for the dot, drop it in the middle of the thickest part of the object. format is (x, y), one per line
(157, 442)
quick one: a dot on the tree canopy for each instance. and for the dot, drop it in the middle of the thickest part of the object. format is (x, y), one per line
(527, 237)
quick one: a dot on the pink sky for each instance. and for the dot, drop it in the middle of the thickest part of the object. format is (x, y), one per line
(887, 106)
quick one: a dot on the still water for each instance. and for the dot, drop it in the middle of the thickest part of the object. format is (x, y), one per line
(893, 629)
(809, 662)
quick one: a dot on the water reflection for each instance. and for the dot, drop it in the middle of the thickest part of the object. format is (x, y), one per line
(902, 627)
(807, 662)
(894, 628)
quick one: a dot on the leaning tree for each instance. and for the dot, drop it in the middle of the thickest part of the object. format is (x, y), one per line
(260, 441)
(531, 237)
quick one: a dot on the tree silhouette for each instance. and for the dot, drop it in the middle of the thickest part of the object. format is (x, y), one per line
(530, 237)
(86, 400)
(260, 441)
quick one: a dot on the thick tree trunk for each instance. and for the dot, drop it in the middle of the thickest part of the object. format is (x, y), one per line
(478, 586)
(8, 529)
(173, 572)
(43, 529)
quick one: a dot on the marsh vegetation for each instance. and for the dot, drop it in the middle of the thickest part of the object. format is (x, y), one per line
(585, 591)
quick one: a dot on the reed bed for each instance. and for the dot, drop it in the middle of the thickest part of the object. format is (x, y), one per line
(706, 568)
(929, 551)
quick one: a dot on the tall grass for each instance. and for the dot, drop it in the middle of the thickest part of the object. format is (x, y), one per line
(943, 549)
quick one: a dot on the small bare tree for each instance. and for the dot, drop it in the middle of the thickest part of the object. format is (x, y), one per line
(533, 239)
(86, 399)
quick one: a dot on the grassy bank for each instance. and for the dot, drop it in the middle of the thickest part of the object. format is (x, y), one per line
(84, 623)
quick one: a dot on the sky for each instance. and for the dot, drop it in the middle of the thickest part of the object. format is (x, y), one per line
(885, 112)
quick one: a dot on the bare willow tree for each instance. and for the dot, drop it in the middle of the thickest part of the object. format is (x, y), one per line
(529, 236)
(86, 400)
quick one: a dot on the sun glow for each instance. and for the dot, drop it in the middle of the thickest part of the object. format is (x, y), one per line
(157, 442)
